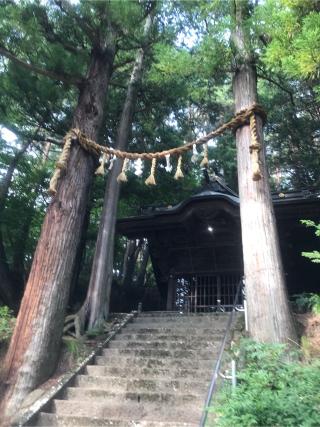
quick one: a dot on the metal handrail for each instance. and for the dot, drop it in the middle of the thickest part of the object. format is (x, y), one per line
(215, 374)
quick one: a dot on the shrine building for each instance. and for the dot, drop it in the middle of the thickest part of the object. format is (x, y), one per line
(196, 250)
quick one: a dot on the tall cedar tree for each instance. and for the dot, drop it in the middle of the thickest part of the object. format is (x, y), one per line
(96, 306)
(34, 346)
(269, 317)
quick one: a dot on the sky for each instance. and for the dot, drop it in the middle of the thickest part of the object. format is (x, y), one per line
(7, 135)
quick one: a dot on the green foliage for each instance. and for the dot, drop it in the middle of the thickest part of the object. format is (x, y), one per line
(75, 347)
(6, 323)
(294, 31)
(315, 303)
(272, 390)
(307, 301)
(314, 256)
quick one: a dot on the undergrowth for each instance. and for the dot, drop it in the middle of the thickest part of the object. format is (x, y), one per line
(306, 302)
(6, 323)
(274, 389)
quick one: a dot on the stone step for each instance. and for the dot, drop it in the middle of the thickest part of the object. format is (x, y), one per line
(185, 330)
(130, 411)
(152, 372)
(139, 385)
(127, 361)
(158, 353)
(155, 373)
(159, 336)
(175, 314)
(167, 323)
(165, 345)
(111, 397)
(185, 316)
(48, 420)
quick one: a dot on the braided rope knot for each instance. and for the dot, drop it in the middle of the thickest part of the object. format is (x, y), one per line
(255, 148)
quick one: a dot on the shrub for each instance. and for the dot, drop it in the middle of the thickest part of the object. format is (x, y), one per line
(271, 391)
(307, 302)
(6, 323)
(314, 256)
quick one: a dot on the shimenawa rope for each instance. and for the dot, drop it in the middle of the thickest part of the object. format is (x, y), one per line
(245, 116)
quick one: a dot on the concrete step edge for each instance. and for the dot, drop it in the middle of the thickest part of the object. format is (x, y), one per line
(132, 396)
(140, 371)
(97, 422)
(152, 360)
(138, 379)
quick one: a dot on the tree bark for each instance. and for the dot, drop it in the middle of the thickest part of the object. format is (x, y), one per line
(143, 265)
(125, 259)
(131, 262)
(34, 347)
(96, 306)
(130, 248)
(269, 317)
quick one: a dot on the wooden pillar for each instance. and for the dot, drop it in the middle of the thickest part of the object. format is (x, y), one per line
(171, 293)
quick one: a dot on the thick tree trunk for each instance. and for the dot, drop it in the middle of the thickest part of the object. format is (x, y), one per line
(131, 263)
(96, 306)
(130, 248)
(143, 265)
(269, 317)
(125, 259)
(34, 347)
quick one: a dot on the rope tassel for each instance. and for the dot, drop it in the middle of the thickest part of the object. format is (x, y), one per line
(179, 173)
(113, 158)
(100, 170)
(168, 167)
(255, 149)
(61, 163)
(151, 179)
(195, 153)
(122, 177)
(205, 161)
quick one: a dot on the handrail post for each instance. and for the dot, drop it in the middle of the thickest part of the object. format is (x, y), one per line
(245, 307)
(215, 374)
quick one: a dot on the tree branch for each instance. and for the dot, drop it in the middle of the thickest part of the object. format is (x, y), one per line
(279, 85)
(123, 63)
(38, 70)
(66, 8)
(51, 35)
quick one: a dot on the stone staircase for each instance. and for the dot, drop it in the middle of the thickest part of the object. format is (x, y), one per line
(155, 373)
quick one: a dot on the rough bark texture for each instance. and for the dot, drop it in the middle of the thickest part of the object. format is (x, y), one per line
(96, 306)
(129, 259)
(132, 262)
(125, 258)
(34, 347)
(269, 316)
(143, 266)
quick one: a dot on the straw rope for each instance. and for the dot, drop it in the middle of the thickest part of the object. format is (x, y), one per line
(255, 148)
(243, 117)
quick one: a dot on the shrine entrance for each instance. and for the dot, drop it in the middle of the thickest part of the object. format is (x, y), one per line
(204, 293)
